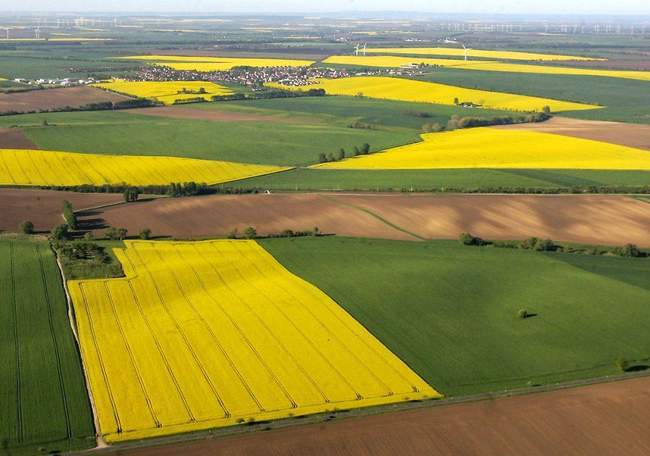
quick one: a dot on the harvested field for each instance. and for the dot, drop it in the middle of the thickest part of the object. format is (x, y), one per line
(42, 100)
(13, 138)
(592, 219)
(43, 207)
(625, 134)
(609, 418)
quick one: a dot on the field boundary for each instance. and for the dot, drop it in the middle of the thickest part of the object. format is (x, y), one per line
(354, 413)
(72, 320)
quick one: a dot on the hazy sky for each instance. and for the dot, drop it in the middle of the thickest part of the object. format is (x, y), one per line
(447, 6)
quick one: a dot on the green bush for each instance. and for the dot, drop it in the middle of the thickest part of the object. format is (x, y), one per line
(116, 234)
(60, 232)
(250, 233)
(145, 234)
(468, 239)
(523, 314)
(27, 227)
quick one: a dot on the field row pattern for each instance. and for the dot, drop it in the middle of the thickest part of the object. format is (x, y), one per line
(213, 333)
(42, 395)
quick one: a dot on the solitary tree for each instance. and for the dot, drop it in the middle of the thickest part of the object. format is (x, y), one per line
(456, 101)
(365, 149)
(145, 234)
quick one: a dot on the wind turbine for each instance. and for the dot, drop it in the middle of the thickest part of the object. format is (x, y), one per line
(356, 49)
(364, 48)
(37, 33)
(466, 49)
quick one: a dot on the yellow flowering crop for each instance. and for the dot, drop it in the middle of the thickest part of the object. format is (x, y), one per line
(496, 148)
(198, 63)
(166, 92)
(41, 167)
(482, 65)
(431, 92)
(459, 52)
(209, 334)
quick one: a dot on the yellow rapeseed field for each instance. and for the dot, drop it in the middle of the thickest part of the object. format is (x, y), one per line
(52, 168)
(198, 63)
(209, 334)
(482, 65)
(459, 52)
(496, 148)
(166, 92)
(431, 92)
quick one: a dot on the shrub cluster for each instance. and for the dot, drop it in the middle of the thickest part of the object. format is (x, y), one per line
(69, 215)
(547, 245)
(99, 106)
(325, 158)
(270, 94)
(251, 233)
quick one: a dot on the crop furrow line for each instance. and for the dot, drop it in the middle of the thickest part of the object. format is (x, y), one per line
(262, 323)
(55, 343)
(138, 374)
(214, 337)
(102, 365)
(189, 346)
(20, 423)
(162, 354)
(243, 336)
(293, 324)
(278, 283)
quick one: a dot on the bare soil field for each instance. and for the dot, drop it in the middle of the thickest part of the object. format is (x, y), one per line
(175, 112)
(632, 135)
(43, 207)
(218, 215)
(41, 100)
(590, 219)
(13, 138)
(604, 419)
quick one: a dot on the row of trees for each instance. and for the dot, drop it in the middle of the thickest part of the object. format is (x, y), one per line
(270, 94)
(457, 122)
(99, 106)
(547, 245)
(325, 158)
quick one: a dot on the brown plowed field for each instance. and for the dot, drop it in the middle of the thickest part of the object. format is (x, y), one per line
(605, 419)
(591, 219)
(39, 100)
(176, 112)
(43, 207)
(633, 135)
(13, 138)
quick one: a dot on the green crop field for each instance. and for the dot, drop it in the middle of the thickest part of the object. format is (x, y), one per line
(443, 179)
(271, 143)
(342, 110)
(43, 399)
(451, 311)
(625, 100)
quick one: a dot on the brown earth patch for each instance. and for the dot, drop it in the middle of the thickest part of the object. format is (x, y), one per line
(604, 419)
(589, 219)
(175, 112)
(13, 138)
(218, 215)
(632, 135)
(43, 207)
(40, 100)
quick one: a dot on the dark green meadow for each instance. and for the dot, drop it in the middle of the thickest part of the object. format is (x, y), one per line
(451, 311)
(43, 399)
(625, 100)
